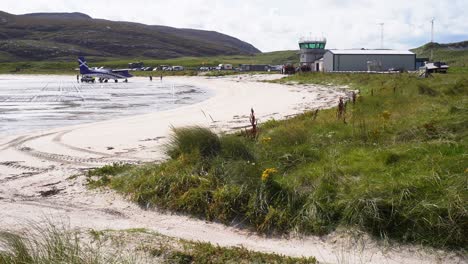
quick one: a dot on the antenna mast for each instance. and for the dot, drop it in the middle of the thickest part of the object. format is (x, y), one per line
(432, 37)
(432, 30)
(381, 35)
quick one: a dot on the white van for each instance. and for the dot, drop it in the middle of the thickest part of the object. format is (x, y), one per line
(224, 67)
(177, 68)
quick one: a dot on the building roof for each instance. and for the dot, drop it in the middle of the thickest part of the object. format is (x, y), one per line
(371, 52)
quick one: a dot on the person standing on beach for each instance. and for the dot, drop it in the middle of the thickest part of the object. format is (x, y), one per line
(151, 78)
(77, 78)
(161, 77)
(341, 109)
(253, 122)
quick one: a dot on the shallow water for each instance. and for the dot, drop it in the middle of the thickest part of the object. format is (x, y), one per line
(30, 103)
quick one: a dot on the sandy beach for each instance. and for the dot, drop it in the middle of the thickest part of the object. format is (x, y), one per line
(37, 171)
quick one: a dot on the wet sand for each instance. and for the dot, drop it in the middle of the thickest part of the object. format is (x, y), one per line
(39, 102)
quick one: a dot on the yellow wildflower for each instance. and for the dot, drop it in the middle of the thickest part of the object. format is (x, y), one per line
(267, 173)
(386, 115)
(266, 140)
(375, 132)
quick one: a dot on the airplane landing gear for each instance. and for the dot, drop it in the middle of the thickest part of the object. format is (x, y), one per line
(116, 80)
(126, 81)
(106, 80)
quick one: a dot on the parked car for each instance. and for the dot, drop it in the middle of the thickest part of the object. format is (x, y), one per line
(88, 79)
(177, 68)
(396, 69)
(224, 67)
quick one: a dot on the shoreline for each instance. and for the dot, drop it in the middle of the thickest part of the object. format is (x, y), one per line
(72, 117)
(227, 109)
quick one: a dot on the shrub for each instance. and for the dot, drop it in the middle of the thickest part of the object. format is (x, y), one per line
(193, 140)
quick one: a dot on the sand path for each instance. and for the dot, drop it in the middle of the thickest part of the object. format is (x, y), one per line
(37, 169)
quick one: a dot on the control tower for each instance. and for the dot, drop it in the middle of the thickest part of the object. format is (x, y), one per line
(311, 51)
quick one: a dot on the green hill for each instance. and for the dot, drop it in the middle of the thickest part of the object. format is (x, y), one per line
(40, 36)
(68, 65)
(454, 54)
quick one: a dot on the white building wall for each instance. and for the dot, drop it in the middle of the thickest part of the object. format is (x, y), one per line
(328, 61)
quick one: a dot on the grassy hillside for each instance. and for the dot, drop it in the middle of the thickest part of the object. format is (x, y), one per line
(67, 67)
(58, 36)
(396, 167)
(455, 54)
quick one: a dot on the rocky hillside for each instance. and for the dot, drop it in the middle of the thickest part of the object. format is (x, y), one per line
(41, 36)
(455, 54)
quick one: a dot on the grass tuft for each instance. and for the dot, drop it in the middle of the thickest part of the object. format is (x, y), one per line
(51, 244)
(193, 140)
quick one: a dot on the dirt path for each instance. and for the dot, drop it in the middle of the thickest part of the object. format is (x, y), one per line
(41, 177)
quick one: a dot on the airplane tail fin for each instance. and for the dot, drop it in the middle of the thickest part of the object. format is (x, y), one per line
(83, 66)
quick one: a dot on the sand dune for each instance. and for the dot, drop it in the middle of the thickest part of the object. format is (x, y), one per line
(36, 170)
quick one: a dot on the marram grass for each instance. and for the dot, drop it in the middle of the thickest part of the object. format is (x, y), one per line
(56, 244)
(397, 168)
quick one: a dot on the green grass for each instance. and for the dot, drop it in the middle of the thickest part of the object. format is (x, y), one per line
(207, 253)
(56, 244)
(50, 36)
(454, 54)
(397, 168)
(51, 244)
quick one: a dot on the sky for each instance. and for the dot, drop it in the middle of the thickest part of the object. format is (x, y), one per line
(278, 24)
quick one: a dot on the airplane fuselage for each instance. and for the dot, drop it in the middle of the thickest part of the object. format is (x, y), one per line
(107, 74)
(102, 74)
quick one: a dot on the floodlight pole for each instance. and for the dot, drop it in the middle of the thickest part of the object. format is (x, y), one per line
(381, 35)
(432, 30)
(432, 37)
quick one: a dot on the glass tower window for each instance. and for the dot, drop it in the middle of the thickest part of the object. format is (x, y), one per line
(312, 45)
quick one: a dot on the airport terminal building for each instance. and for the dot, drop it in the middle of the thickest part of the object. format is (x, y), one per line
(314, 57)
(368, 60)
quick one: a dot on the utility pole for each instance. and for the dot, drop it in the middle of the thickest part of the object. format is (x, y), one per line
(432, 30)
(381, 35)
(432, 38)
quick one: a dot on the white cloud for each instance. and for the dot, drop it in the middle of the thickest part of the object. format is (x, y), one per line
(277, 24)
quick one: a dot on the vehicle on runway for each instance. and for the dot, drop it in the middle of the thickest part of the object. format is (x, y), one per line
(103, 75)
(88, 79)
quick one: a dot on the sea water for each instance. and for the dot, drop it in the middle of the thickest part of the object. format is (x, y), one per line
(31, 103)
